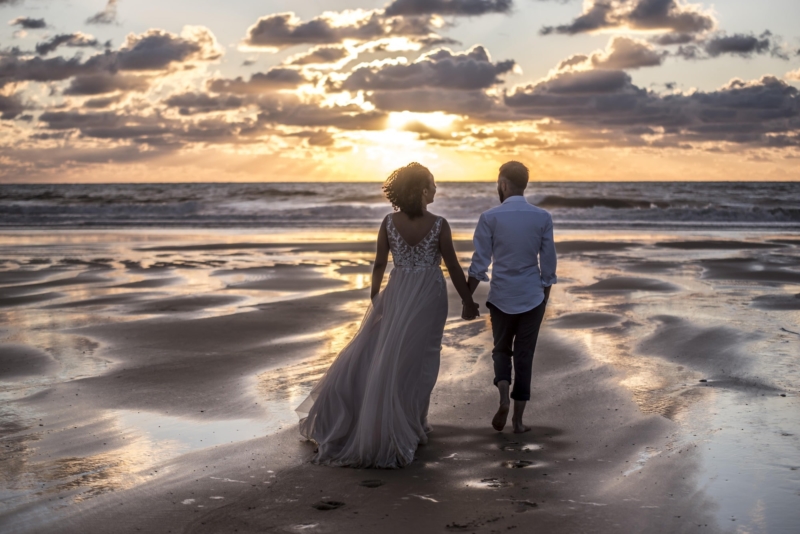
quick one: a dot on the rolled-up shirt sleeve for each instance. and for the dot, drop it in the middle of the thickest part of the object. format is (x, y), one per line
(482, 257)
(547, 255)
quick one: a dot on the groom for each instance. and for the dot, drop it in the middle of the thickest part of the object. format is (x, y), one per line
(518, 238)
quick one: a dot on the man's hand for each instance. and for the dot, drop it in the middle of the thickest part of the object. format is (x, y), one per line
(547, 293)
(470, 311)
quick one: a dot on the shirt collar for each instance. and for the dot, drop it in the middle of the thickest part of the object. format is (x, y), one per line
(515, 198)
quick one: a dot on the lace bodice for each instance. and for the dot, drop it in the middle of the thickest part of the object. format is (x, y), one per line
(423, 254)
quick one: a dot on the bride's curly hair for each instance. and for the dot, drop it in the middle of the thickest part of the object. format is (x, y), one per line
(404, 188)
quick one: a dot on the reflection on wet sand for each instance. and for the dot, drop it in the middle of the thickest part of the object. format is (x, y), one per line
(134, 351)
(288, 386)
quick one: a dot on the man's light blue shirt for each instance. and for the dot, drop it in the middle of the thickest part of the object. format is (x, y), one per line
(517, 238)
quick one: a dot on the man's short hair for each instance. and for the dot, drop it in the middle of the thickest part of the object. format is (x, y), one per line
(516, 173)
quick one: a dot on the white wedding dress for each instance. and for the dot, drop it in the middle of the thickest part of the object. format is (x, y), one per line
(370, 409)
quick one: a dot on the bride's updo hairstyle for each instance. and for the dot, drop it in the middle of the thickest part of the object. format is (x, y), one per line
(404, 188)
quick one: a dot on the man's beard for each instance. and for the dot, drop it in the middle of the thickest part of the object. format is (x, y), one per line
(501, 195)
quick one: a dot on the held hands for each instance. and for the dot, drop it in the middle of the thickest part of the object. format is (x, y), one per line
(469, 310)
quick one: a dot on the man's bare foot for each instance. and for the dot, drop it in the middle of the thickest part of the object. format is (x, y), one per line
(516, 420)
(520, 428)
(500, 418)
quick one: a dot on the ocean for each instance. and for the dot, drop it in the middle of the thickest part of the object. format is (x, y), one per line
(582, 205)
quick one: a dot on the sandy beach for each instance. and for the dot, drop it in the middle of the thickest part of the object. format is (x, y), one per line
(149, 378)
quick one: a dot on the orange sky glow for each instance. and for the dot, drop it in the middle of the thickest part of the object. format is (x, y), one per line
(347, 91)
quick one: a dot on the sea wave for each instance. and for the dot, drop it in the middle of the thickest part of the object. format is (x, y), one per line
(573, 205)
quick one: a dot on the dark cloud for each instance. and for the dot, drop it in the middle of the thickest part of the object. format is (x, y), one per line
(315, 137)
(4, 3)
(10, 107)
(107, 16)
(260, 82)
(290, 111)
(441, 68)
(447, 7)
(674, 39)
(37, 69)
(99, 84)
(150, 51)
(589, 82)
(282, 30)
(28, 23)
(74, 40)
(738, 44)
(571, 61)
(153, 130)
(157, 49)
(320, 55)
(193, 103)
(743, 45)
(666, 15)
(472, 103)
(102, 102)
(759, 113)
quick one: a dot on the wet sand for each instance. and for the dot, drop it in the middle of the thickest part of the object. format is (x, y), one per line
(149, 382)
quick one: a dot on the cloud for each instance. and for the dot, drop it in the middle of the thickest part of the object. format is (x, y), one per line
(10, 107)
(470, 103)
(588, 82)
(315, 137)
(102, 102)
(621, 53)
(158, 49)
(739, 44)
(107, 16)
(4, 3)
(664, 15)
(99, 84)
(152, 130)
(28, 23)
(441, 68)
(260, 82)
(74, 40)
(282, 30)
(154, 50)
(626, 53)
(290, 111)
(320, 55)
(15, 69)
(194, 103)
(793, 75)
(447, 7)
(674, 39)
(763, 112)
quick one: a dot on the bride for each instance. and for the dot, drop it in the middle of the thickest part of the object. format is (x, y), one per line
(371, 407)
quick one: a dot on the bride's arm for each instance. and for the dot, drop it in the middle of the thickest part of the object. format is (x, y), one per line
(454, 267)
(381, 259)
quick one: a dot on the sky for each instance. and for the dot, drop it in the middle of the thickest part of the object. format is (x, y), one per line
(338, 90)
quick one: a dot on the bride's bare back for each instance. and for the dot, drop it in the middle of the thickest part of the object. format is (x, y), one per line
(413, 230)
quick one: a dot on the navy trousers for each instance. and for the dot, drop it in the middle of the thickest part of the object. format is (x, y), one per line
(515, 336)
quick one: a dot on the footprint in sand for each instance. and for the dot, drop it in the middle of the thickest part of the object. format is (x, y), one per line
(494, 483)
(371, 483)
(516, 446)
(519, 464)
(327, 505)
(524, 506)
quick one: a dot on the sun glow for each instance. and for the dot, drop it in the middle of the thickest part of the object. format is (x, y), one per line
(436, 120)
